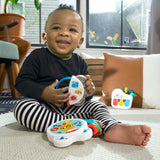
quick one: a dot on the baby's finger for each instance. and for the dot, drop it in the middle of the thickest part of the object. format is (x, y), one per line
(90, 89)
(62, 90)
(61, 98)
(100, 131)
(100, 123)
(87, 77)
(59, 104)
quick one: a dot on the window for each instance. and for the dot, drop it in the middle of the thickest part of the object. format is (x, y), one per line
(35, 20)
(118, 23)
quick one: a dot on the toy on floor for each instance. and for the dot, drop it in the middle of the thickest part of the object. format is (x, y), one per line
(66, 132)
(76, 89)
(121, 99)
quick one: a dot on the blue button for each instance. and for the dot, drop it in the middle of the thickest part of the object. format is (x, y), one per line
(89, 121)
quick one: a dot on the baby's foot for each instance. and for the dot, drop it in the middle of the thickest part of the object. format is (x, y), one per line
(129, 134)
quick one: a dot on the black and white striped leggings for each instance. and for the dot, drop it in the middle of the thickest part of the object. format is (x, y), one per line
(39, 116)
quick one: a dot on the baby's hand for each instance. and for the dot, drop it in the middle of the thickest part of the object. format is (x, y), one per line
(54, 96)
(100, 131)
(89, 86)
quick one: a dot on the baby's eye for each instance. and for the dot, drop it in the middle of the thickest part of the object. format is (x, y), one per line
(73, 30)
(56, 28)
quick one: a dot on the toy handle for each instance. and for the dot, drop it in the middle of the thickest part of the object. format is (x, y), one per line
(93, 125)
(63, 79)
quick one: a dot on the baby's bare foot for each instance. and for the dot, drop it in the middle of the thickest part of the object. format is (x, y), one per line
(129, 134)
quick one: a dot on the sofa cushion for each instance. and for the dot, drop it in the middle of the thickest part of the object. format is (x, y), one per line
(140, 74)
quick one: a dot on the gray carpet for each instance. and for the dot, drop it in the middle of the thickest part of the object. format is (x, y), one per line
(18, 143)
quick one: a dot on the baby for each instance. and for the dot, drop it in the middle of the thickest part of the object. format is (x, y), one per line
(42, 70)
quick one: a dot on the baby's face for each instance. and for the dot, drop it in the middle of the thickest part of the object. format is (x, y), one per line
(63, 33)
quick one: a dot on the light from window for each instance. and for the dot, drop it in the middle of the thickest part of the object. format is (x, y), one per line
(108, 6)
(118, 23)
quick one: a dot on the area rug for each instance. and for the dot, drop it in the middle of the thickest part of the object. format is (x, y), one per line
(18, 143)
(7, 103)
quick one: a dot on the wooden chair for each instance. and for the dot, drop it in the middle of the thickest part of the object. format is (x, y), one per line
(8, 55)
(9, 60)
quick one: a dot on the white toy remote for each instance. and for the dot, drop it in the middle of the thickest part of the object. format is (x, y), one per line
(66, 132)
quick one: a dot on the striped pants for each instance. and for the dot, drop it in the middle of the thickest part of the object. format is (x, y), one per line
(39, 116)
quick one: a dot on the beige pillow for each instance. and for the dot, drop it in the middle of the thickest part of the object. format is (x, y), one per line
(141, 74)
(88, 56)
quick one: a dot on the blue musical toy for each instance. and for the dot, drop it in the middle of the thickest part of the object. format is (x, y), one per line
(121, 99)
(66, 132)
(76, 89)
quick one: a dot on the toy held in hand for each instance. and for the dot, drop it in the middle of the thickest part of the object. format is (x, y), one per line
(121, 99)
(76, 89)
(66, 132)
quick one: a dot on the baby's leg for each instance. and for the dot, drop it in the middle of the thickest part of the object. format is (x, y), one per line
(128, 134)
(113, 130)
(37, 116)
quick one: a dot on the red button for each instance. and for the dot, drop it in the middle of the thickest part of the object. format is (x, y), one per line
(54, 129)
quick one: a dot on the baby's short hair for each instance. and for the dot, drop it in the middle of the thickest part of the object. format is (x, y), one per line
(63, 7)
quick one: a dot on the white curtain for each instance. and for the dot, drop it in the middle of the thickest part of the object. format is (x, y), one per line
(154, 30)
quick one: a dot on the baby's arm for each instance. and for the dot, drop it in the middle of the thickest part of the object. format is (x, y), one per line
(54, 96)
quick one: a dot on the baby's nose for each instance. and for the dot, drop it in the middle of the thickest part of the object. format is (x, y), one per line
(64, 32)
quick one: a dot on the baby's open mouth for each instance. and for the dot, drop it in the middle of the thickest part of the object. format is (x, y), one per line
(63, 42)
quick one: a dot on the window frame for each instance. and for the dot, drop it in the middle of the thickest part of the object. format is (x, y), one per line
(103, 46)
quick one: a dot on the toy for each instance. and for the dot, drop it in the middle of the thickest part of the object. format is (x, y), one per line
(93, 125)
(76, 89)
(120, 99)
(66, 132)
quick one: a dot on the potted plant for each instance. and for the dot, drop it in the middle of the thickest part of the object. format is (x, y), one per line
(37, 4)
(16, 31)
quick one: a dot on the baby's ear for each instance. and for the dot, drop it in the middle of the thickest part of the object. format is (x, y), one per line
(80, 42)
(44, 37)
